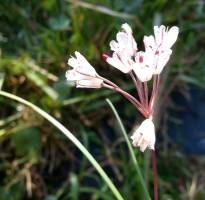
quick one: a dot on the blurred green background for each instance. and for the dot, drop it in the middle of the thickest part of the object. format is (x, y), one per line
(36, 39)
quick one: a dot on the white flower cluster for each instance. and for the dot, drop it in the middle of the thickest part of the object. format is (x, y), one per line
(144, 63)
(126, 58)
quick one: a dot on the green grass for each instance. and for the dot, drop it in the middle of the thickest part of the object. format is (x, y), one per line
(36, 39)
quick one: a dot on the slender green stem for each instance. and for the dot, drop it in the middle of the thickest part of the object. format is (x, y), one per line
(71, 137)
(132, 154)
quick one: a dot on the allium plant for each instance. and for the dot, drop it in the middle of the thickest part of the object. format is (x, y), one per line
(142, 66)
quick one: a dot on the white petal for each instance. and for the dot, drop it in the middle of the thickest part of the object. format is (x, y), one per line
(149, 57)
(80, 57)
(132, 43)
(171, 37)
(149, 42)
(114, 46)
(116, 62)
(126, 28)
(147, 127)
(140, 141)
(144, 136)
(85, 65)
(81, 65)
(159, 34)
(143, 67)
(90, 83)
(122, 39)
(126, 43)
(144, 145)
(73, 62)
(136, 138)
(162, 60)
(143, 74)
(72, 75)
(151, 146)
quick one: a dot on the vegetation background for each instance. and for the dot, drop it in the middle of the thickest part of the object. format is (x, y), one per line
(36, 39)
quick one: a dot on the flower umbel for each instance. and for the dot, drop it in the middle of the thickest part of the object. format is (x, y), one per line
(142, 66)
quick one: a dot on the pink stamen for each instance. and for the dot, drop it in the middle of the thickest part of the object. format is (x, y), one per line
(141, 59)
(157, 52)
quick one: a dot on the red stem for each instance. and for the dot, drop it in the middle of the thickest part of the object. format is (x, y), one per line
(155, 90)
(138, 86)
(129, 97)
(154, 166)
(109, 84)
(117, 88)
(146, 95)
(153, 93)
(154, 174)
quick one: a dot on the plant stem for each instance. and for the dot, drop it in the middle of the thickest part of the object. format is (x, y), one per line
(138, 87)
(71, 137)
(146, 95)
(155, 90)
(117, 88)
(129, 97)
(154, 174)
(131, 151)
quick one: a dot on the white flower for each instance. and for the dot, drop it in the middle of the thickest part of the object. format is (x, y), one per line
(160, 60)
(83, 73)
(126, 28)
(143, 65)
(144, 136)
(81, 65)
(124, 49)
(161, 44)
(164, 37)
(120, 61)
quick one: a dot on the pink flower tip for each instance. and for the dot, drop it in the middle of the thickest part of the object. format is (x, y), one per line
(105, 56)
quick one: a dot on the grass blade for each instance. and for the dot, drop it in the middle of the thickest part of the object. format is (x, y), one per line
(132, 154)
(71, 137)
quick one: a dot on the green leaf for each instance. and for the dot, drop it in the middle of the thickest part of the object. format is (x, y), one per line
(48, 4)
(59, 23)
(74, 187)
(190, 80)
(1, 80)
(42, 84)
(63, 88)
(51, 197)
(27, 143)
(15, 192)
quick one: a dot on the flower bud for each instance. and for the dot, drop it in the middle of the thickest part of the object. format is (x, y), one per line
(144, 136)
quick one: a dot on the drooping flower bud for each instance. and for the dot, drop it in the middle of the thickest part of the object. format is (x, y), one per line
(144, 136)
